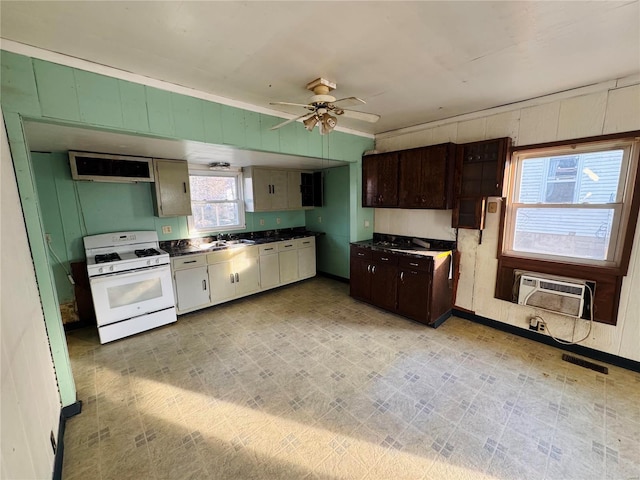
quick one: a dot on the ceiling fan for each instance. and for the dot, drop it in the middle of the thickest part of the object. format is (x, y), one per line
(324, 108)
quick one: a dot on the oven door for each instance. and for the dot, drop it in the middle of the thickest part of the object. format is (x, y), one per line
(124, 295)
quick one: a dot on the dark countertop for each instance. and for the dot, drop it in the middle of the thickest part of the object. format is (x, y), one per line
(407, 245)
(177, 248)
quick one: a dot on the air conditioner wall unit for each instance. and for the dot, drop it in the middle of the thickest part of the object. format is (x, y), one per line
(549, 292)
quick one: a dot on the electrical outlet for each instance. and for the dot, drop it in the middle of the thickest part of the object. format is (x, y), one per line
(319, 219)
(541, 327)
(262, 221)
(278, 220)
(166, 229)
(47, 237)
(493, 207)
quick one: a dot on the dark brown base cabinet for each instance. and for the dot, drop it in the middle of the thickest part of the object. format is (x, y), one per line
(415, 287)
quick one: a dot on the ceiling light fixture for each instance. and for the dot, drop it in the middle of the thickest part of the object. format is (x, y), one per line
(310, 122)
(327, 123)
(219, 166)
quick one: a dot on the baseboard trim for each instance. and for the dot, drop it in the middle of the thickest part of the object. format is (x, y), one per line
(441, 319)
(333, 277)
(531, 335)
(65, 412)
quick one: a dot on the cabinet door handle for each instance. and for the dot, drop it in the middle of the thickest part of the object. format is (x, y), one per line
(237, 278)
(413, 272)
(267, 249)
(360, 254)
(232, 278)
(189, 261)
(184, 185)
(373, 269)
(287, 246)
(384, 259)
(369, 268)
(273, 187)
(402, 276)
(204, 284)
(413, 264)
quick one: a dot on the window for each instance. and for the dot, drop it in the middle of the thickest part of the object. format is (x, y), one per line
(571, 203)
(216, 202)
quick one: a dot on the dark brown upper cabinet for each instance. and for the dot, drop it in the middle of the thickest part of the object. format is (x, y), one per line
(380, 180)
(426, 177)
(480, 168)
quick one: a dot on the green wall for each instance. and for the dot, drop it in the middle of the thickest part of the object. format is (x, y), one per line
(73, 209)
(41, 90)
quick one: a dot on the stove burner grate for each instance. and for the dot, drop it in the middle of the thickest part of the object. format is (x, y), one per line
(107, 257)
(147, 252)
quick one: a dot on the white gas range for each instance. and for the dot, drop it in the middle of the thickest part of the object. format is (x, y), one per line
(130, 280)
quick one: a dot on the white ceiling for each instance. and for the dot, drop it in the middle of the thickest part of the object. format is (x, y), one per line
(413, 62)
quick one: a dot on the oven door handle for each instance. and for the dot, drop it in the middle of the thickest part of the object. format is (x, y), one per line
(129, 273)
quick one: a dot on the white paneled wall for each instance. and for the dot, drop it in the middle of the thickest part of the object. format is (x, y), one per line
(29, 393)
(610, 110)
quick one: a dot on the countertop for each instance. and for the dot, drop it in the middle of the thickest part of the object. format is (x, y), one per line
(178, 250)
(409, 250)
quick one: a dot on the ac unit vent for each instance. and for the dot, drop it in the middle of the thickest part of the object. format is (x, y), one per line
(561, 287)
(556, 294)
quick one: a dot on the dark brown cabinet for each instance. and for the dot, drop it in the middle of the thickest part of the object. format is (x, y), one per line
(380, 180)
(426, 177)
(373, 277)
(480, 168)
(415, 287)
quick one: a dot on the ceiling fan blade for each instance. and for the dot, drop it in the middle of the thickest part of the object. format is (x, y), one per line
(349, 101)
(291, 120)
(365, 117)
(292, 104)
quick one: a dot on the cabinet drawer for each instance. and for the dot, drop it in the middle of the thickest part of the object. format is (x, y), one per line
(306, 242)
(415, 263)
(268, 248)
(188, 261)
(219, 256)
(384, 257)
(359, 252)
(287, 245)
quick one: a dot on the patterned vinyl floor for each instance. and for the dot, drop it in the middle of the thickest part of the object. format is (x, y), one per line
(304, 382)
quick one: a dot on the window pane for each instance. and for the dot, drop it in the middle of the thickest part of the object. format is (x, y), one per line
(586, 178)
(571, 232)
(208, 216)
(207, 188)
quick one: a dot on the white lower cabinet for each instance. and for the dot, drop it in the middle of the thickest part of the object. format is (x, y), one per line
(206, 279)
(190, 282)
(306, 257)
(269, 266)
(288, 258)
(233, 273)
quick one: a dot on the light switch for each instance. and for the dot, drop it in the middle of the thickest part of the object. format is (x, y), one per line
(262, 221)
(278, 220)
(166, 229)
(366, 224)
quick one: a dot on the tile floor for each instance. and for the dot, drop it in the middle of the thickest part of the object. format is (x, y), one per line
(304, 382)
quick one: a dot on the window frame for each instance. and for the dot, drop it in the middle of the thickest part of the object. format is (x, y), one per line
(621, 205)
(204, 171)
(608, 279)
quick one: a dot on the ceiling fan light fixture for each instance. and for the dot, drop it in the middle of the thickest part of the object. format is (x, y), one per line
(219, 166)
(328, 123)
(310, 122)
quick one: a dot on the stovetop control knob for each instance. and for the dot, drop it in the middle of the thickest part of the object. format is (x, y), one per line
(148, 262)
(100, 270)
(111, 268)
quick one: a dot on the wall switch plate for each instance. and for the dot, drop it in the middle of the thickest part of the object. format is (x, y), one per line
(366, 224)
(262, 221)
(166, 229)
(278, 220)
(319, 219)
(492, 207)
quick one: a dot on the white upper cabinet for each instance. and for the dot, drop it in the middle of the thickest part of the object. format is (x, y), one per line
(267, 189)
(172, 196)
